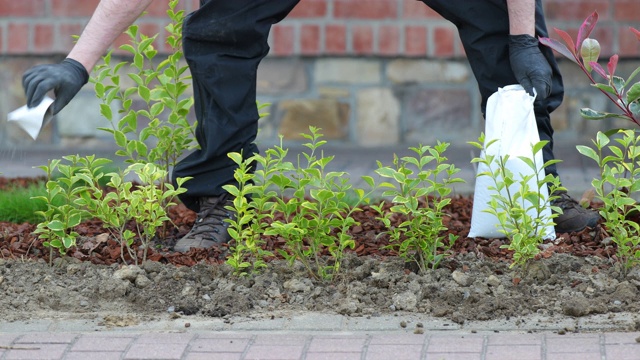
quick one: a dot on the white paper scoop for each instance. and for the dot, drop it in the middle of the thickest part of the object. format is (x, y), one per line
(34, 119)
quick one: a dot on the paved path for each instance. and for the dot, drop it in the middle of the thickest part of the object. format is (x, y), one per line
(323, 336)
(320, 346)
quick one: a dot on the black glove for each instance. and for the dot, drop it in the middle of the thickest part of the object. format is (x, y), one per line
(531, 68)
(65, 79)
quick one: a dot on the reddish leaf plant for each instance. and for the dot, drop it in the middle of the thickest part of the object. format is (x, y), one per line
(584, 51)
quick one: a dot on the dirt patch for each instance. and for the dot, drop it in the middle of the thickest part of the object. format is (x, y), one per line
(475, 290)
(576, 275)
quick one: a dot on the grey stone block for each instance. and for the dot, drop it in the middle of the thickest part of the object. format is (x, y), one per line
(403, 71)
(277, 76)
(347, 71)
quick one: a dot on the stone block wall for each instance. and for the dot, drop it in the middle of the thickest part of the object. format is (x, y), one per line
(368, 72)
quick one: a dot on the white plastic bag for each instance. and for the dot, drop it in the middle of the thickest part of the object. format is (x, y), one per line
(511, 120)
(32, 120)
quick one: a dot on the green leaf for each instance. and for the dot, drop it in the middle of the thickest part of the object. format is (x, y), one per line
(138, 61)
(159, 93)
(144, 44)
(144, 93)
(321, 195)
(128, 48)
(633, 93)
(233, 233)
(156, 109)
(145, 113)
(136, 78)
(56, 225)
(141, 148)
(369, 180)
(55, 243)
(539, 145)
(635, 108)
(588, 152)
(603, 138)
(99, 89)
(111, 95)
(633, 75)
(129, 120)
(235, 157)
(527, 160)
(74, 220)
(590, 51)
(619, 84)
(606, 88)
(591, 114)
(105, 110)
(386, 172)
(616, 151)
(120, 138)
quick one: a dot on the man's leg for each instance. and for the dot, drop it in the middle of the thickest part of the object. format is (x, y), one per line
(224, 42)
(483, 26)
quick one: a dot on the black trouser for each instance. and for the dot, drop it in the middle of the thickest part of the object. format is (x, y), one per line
(225, 40)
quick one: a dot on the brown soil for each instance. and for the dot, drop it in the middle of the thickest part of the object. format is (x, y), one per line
(575, 275)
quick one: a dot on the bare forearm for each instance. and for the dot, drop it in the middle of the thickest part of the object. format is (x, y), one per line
(522, 19)
(109, 20)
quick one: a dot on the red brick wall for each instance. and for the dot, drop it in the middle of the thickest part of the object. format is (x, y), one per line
(319, 27)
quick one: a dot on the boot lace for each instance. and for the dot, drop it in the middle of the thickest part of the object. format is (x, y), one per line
(210, 219)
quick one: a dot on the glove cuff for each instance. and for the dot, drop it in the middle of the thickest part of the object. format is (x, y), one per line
(523, 41)
(79, 68)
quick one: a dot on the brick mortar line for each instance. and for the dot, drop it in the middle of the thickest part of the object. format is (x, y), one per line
(307, 344)
(485, 346)
(15, 343)
(432, 22)
(425, 347)
(48, 7)
(348, 37)
(427, 21)
(330, 10)
(250, 343)
(323, 41)
(187, 348)
(297, 38)
(124, 352)
(4, 37)
(603, 346)
(6, 351)
(70, 345)
(365, 347)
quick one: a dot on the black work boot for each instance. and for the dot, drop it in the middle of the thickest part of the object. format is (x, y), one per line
(210, 227)
(574, 217)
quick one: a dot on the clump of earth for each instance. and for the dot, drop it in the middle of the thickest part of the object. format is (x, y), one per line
(476, 289)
